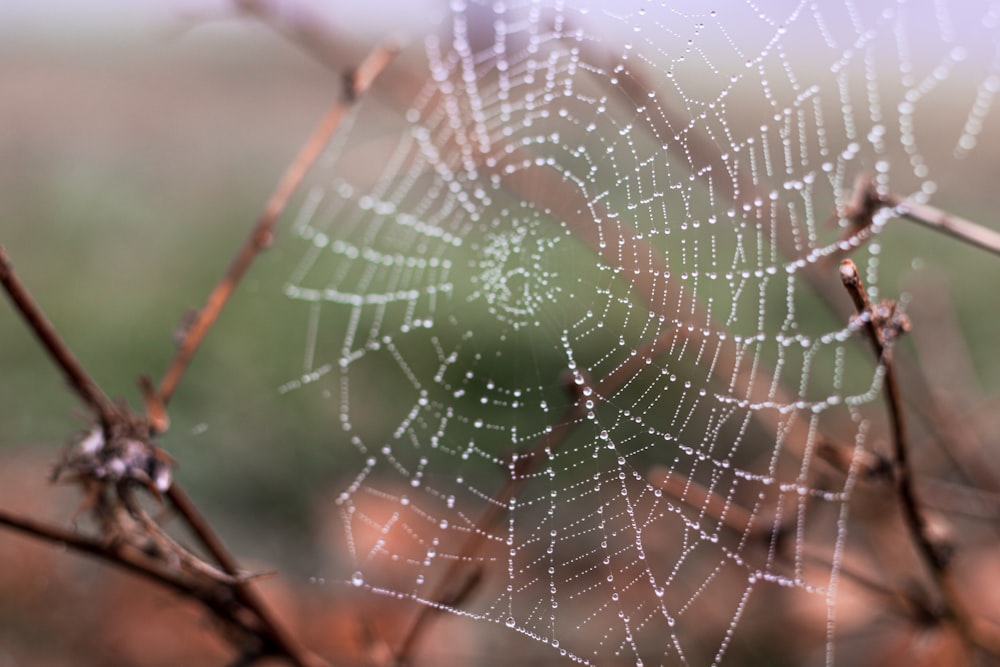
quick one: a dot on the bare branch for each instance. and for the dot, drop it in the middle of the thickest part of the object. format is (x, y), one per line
(95, 547)
(903, 473)
(262, 235)
(882, 326)
(211, 593)
(946, 223)
(242, 588)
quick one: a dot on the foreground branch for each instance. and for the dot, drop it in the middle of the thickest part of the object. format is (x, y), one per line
(216, 598)
(883, 325)
(122, 444)
(109, 464)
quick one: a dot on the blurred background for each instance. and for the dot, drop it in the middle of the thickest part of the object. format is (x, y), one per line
(138, 143)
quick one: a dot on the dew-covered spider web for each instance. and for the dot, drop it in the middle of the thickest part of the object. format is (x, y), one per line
(572, 293)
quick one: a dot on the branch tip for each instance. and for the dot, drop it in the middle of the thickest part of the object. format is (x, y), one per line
(262, 235)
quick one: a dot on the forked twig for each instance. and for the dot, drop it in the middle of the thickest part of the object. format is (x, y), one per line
(961, 444)
(262, 234)
(882, 325)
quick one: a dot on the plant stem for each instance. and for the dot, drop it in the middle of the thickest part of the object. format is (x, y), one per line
(262, 234)
(946, 223)
(936, 563)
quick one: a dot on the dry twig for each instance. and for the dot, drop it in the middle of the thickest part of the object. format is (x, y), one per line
(262, 235)
(883, 324)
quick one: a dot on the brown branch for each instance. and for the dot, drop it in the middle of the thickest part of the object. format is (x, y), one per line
(903, 471)
(881, 331)
(260, 237)
(229, 597)
(729, 514)
(242, 588)
(100, 548)
(114, 420)
(946, 223)
(125, 425)
(81, 381)
(262, 234)
(213, 595)
(960, 443)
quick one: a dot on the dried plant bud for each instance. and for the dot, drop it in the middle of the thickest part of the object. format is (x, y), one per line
(890, 321)
(121, 459)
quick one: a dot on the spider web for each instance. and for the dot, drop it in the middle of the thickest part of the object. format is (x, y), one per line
(575, 304)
